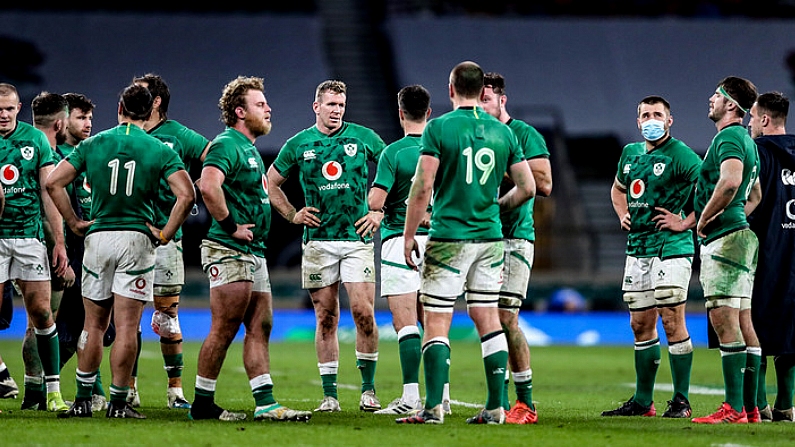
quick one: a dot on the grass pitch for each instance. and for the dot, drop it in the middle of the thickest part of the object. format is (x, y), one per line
(572, 386)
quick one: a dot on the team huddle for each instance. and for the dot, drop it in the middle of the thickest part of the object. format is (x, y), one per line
(90, 233)
(738, 200)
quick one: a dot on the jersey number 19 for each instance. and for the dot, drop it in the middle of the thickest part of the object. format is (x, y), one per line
(483, 160)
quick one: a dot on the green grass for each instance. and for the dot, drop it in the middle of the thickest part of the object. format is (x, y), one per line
(572, 386)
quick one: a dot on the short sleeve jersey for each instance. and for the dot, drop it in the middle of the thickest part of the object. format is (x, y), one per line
(474, 151)
(333, 173)
(732, 141)
(395, 172)
(664, 178)
(124, 167)
(81, 186)
(23, 153)
(189, 145)
(518, 222)
(245, 189)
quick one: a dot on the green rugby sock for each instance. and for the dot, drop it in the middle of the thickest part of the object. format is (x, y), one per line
(733, 361)
(680, 358)
(262, 389)
(436, 361)
(494, 347)
(647, 361)
(410, 347)
(751, 377)
(366, 362)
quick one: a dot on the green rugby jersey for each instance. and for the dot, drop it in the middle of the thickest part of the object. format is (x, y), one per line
(518, 222)
(245, 188)
(396, 169)
(333, 173)
(189, 145)
(124, 167)
(82, 188)
(23, 153)
(665, 178)
(732, 141)
(474, 151)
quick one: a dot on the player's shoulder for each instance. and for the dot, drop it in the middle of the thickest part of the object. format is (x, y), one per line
(361, 132)
(26, 131)
(304, 136)
(634, 148)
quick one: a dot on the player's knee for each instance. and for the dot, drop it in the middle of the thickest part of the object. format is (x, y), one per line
(714, 302)
(166, 326)
(509, 319)
(167, 303)
(670, 296)
(640, 300)
(169, 291)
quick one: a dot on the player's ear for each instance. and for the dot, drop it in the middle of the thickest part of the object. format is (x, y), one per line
(240, 112)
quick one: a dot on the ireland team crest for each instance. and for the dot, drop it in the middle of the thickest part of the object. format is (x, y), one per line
(27, 152)
(350, 149)
(637, 188)
(658, 169)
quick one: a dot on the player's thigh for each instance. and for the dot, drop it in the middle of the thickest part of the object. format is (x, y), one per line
(24, 259)
(135, 271)
(671, 278)
(397, 278)
(224, 265)
(357, 264)
(727, 272)
(169, 269)
(517, 265)
(638, 286)
(444, 274)
(320, 264)
(484, 278)
(120, 262)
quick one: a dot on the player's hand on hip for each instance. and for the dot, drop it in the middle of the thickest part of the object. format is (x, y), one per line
(410, 251)
(307, 217)
(702, 223)
(666, 220)
(369, 224)
(81, 227)
(243, 233)
(426, 221)
(626, 222)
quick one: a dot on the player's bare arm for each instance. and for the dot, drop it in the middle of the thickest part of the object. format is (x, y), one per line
(753, 198)
(279, 200)
(369, 224)
(214, 199)
(54, 218)
(56, 184)
(524, 187)
(731, 176)
(419, 198)
(182, 187)
(542, 174)
(618, 195)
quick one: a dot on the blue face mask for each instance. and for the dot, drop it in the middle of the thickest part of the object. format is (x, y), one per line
(652, 130)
